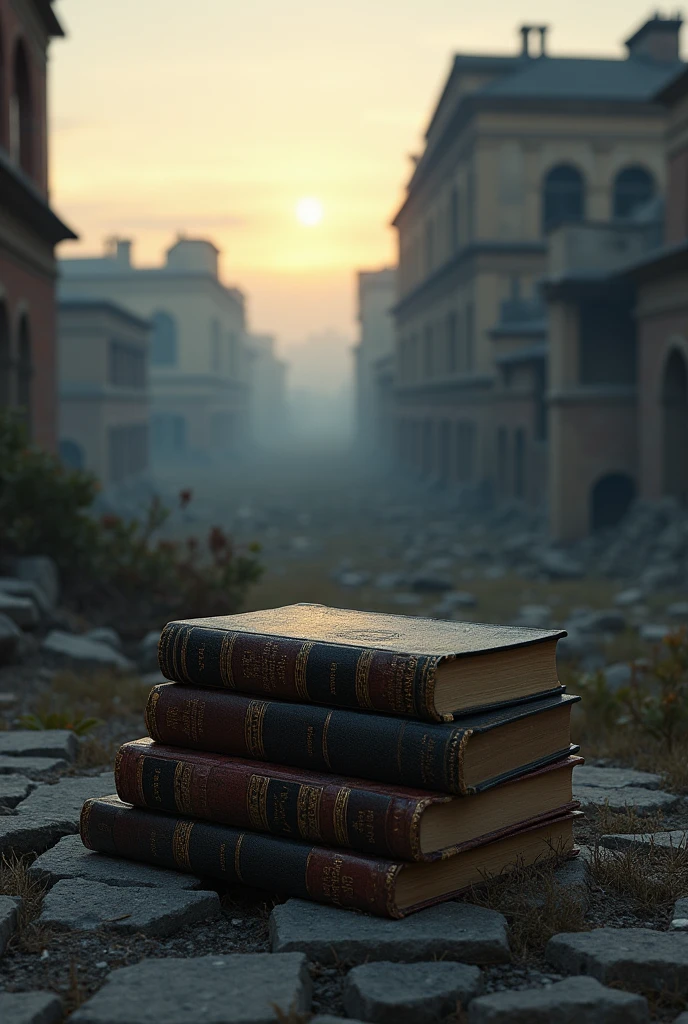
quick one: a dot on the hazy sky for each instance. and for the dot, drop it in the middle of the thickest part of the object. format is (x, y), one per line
(216, 117)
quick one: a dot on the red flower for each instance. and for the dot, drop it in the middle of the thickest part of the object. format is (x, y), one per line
(185, 497)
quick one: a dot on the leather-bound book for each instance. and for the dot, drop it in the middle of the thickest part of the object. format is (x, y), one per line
(386, 821)
(427, 669)
(379, 886)
(472, 754)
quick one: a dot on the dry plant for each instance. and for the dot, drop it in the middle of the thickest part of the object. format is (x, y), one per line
(651, 877)
(95, 753)
(76, 993)
(605, 821)
(16, 881)
(292, 1016)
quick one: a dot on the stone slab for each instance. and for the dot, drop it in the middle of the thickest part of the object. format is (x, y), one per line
(69, 648)
(49, 813)
(70, 859)
(572, 1001)
(26, 589)
(636, 958)
(456, 931)
(9, 916)
(676, 839)
(60, 743)
(14, 789)
(38, 766)
(78, 905)
(572, 872)
(643, 801)
(420, 993)
(682, 1019)
(232, 989)
(679, 921)
(30, 1008)
(614, 778)
(21, 610)
(327, 1019)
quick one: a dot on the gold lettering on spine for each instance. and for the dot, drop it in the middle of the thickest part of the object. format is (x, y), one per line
(325, 752)
(150, 715)
(362, 680)
(341, 806)
(300, 671)
(185, 643)
(308, 812)
(183, 773)
(181, 841)
(253, 728)
(140, 795)
(257, 802)
(237, 857)
(226, 652)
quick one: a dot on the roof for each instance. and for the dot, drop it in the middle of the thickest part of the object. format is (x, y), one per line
(77, 304)
(633, 80)
(19, 195)
(532, 353)
(675, 90)
(48, 17)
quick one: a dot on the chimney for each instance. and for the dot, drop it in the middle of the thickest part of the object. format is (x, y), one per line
(525, 31)
(525, 40)
(123, 251)
(658, 39)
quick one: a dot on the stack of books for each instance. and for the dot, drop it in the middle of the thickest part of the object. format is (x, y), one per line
(372, 761)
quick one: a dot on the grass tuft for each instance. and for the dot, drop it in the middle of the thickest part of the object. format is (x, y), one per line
(16, 881)
(651, 877)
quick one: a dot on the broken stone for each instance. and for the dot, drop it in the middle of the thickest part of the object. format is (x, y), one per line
(534, 615)
(43, 572)
(629, 597)
(420, 993)
(223, 989)
(608, 621)
(643, 801)
(579, 1000)
(10, 635)
(70, 859)
(558, 566)
(148, 650)
(457, 931)
(38, 766)
(105, 635)
(20, 610)
(66, 647)
(679, 922)
(327, 1019)
(572, 872)
(14, 789)
(615, 778)
(654, 634)
(79, 905)
(9, 917)
(26, 589)
(676, 839)
(40, 743)
(429, 584)
(617, 676)
(678, 610)
(635, 958)
(30, 1008)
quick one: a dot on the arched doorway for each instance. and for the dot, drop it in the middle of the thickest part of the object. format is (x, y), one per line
(633, 188)
(610, 499)
(24, 371)
(675, 426)
(5, 359)
(563, 197)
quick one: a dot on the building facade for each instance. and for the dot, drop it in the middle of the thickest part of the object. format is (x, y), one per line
(29, 230)
(376, 299)
(268, 378)
(103, 388)
(199, 361)
(516, 147)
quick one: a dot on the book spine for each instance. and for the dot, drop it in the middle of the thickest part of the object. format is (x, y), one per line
(283, 668)
(242, 795)
(376, 747)
(231, 855)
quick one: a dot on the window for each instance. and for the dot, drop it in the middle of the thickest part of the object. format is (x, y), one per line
(520, 463)
(168, 434)
(126, 365)
(454, 222)
(452, 344)
(215, 347)
(540, 384)
(164, 341)
(429, 247)
(469, 337)
(428, 353)
(21, 112)
(563, 197)
(465, 451)
(502, 460)
(427, 452)
(127, 451)
(633, 187)
(72, 455)
(233, 354)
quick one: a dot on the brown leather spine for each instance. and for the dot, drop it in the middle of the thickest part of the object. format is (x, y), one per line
(264, 797)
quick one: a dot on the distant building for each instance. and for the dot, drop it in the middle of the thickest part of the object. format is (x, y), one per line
(376, 299)
(517, 146)
(103, 388)
(29, 230)
(199, 365)
(268, 378)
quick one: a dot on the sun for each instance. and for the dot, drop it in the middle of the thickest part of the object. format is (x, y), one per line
(309, 211)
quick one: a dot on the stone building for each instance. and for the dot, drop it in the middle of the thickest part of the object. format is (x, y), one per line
(199, 364)
(268, 378)
(103, 389)
(29, 230)
(376, 299)
(517, 146)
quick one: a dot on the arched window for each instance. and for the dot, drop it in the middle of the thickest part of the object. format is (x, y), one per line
(21, 112)
(5, 359)
(633, 187)
(164, 340)
(24, 370)
(72, 454)
(563, 197)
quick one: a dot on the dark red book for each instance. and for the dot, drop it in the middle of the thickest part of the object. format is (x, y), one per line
(429, 669)
(346, 879)
(387, 821)
(470, 755)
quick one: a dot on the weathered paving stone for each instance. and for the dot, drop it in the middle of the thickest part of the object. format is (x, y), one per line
(572, 872)
(614, 778)
(327, 1019)
(71, 859)
(643, 801)
(420, 993)
(9, 911)
(456, 931)
(60, 743)
(636, 958)
(14, 789)
(38, 766)
(572, 1001)
(236, 989)
(676, 839)
(30, 1008)
(682, 1019)
(49, 813)
(66, 647)
(679, 921)
(21, 610)
(77, 905)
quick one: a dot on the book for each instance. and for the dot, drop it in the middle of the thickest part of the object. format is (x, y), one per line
(480, 751)
(387, 821)
(428, 669)
(376, 885)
